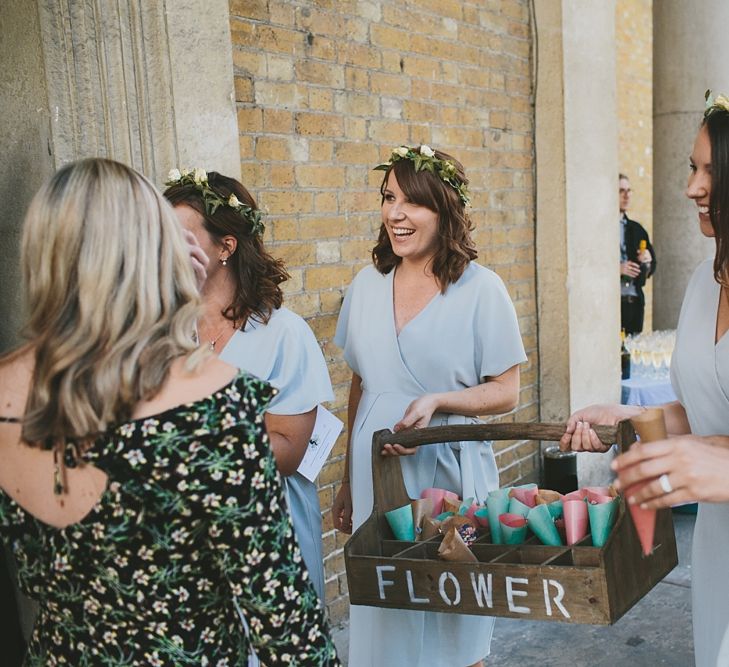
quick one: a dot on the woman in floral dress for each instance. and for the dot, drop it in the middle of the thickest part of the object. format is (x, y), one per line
(137, 489)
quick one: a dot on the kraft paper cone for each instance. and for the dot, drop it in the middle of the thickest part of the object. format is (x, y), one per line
(497, 504)
(453, 548)
(513, 528)
(602, 518)
(518, 507)
(401, 522)
(430, 528)
(649, 425)
(437, 496)
(542, 525)
(576, 520)
(421, 508)
(451, 504)
(482, 517)
(546, 497)
(525, 493)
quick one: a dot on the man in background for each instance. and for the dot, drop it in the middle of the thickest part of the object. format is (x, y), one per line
(637, 263)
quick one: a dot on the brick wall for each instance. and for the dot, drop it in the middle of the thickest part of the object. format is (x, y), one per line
(324, 90)
(634, 46)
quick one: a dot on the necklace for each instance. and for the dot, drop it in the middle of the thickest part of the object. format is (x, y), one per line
(213, 341)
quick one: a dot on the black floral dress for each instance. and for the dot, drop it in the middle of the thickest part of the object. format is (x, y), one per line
(191, 532)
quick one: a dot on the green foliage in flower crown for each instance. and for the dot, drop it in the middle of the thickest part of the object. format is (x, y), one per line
(198, 178)
(424, 159)
(720, 102)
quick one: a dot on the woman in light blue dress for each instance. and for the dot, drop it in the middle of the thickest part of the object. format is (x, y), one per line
(432, 338)
(245, 322)
(694, 464)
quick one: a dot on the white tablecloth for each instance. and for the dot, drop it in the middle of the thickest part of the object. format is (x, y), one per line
(646, 391)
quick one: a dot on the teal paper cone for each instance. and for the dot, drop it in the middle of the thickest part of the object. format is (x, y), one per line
(602, 518)
(555, 509)
(542, 525)
(401, 522)
(443, 516)
(497, 504)
(513, 528)
(518, 507)
(482, 517)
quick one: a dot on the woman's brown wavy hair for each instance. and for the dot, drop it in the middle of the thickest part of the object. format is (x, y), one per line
(455, 245)
(717, 125)
(257, 275)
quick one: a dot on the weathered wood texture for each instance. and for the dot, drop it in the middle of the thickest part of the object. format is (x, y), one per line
(577, 584)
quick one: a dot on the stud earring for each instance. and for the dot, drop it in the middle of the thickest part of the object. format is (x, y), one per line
(224, 261)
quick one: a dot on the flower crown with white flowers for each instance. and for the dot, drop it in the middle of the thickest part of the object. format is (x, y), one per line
(423, 158)
(198, 178)
(715, 103)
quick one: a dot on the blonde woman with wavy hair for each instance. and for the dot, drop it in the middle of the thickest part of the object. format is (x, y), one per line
(133, 468)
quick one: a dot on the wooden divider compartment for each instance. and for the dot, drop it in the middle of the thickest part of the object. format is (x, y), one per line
(577, 584)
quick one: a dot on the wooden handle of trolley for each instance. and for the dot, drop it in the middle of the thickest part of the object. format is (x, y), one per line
(389, 488)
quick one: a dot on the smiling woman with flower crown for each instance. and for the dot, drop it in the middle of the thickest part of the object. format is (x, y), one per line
(432, 338)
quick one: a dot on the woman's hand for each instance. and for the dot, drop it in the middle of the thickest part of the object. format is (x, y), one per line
(677, 470)
(342, 508)
(645, 257)
(417, 415)
(579, 435)
(630, 269)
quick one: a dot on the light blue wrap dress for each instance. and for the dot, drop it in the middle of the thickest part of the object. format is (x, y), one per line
(460, 338)
(700, 378)
(285, 353)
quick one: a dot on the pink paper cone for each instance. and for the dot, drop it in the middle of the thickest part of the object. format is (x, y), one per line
(649, 425)
(437, 496)
(527, 494)
(575, 495)
(643, 520)
(576, 520)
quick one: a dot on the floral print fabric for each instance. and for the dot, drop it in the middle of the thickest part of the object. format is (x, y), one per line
(191, 530)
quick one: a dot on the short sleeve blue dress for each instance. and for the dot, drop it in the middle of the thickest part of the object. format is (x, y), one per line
(460, 338)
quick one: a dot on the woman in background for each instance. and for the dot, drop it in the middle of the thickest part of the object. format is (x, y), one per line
(137, 489)
(432, 338)
(245, 322)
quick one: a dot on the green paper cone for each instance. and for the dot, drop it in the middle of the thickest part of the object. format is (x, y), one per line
(497, 504)
(555, 509)
(518, 507)
(401, 522)
(513, 528)
(602, 518)
(443, 516)
(542, 525)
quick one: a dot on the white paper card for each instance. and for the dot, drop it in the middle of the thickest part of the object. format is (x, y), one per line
(326, 431)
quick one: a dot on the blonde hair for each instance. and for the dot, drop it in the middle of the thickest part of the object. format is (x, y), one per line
(110, 295)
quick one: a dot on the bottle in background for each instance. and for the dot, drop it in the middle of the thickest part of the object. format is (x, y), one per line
(624, 357)
(644, 266)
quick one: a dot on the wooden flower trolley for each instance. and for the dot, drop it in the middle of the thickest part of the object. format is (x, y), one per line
(576, 584)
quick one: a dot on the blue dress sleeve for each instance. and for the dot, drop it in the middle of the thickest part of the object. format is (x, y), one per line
(498, 344)
(300, 371)
(343, 333)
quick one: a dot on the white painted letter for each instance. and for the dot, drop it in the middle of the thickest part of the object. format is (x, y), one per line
(381, 583)
(483, 589)
(441, 588)
(557, 598)
(511, 593)
(411, 590)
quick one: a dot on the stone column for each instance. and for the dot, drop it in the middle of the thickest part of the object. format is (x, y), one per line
(690, 52)
(577, 231)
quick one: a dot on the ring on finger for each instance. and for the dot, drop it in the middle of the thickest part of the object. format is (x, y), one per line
(665, 483)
